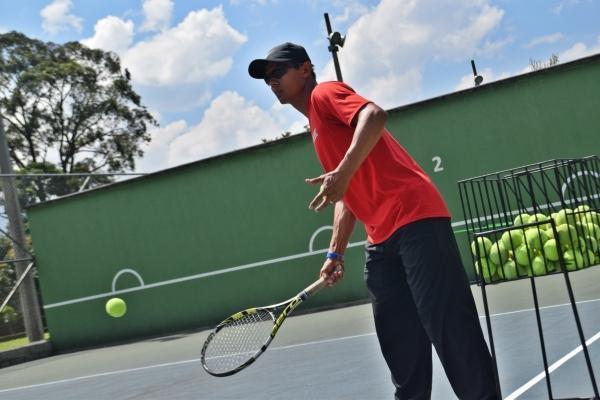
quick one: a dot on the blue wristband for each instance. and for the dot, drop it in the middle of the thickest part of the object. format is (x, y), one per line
(334, 256)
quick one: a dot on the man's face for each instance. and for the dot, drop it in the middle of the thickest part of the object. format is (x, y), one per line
(285, 81)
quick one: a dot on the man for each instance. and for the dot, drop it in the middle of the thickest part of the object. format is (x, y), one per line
(418, 287)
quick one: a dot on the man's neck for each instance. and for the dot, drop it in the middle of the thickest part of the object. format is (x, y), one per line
(301, 104)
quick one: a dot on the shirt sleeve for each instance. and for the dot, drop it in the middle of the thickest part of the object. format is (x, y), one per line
(338, 101)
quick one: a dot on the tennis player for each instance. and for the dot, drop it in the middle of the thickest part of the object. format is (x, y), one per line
(418, 287)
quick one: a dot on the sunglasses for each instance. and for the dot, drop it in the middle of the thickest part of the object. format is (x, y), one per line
(278, 72)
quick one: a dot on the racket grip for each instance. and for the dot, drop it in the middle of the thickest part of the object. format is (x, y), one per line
(313, 288)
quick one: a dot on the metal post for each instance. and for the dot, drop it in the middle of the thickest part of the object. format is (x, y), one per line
(28, 296)
(335, 40)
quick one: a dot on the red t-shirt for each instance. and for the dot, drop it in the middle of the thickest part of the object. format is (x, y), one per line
(389, 189)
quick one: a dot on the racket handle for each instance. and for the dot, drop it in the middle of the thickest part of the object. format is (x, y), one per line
(313, 288)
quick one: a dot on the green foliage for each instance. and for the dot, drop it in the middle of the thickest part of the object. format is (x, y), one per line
(71, 103)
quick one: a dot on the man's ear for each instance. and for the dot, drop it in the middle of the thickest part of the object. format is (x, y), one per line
(306, 69)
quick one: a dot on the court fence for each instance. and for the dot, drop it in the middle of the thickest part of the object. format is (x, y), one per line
(532, 221)
(33, 188)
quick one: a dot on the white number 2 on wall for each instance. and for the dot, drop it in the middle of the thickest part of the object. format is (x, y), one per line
(437, 160)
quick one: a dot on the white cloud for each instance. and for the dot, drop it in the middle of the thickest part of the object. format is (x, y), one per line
(157, 14)
(56, 17)
(156, 153)
(230, 122)
(112, 34)
(387, 48)
(546, 39)
(579, 50)
(199, 49)
(350, 11)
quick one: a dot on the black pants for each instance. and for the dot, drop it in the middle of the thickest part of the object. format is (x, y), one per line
(420, 294)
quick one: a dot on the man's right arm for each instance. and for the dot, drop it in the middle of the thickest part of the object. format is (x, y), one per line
(343, 226)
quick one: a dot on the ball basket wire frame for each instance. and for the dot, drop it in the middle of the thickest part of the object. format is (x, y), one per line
(507, 245)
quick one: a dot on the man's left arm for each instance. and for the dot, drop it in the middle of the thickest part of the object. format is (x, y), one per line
(369, 125)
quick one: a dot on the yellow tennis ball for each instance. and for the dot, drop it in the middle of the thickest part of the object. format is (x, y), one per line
(116, 307)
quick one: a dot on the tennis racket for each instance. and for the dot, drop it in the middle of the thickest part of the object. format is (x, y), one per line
(240, 339)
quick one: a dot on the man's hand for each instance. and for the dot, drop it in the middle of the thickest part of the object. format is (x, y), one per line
(332, 271)
(333, 187)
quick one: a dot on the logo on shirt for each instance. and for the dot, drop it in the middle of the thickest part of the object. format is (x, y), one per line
(315, 134)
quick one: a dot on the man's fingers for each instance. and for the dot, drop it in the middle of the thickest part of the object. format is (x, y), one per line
(319, 203)
(313, 181)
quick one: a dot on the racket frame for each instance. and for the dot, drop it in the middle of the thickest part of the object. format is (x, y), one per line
(288, 306)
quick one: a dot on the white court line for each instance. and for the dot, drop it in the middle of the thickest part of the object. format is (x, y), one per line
(195, 360)
(552, 368)
(541, 308)
(226, 270)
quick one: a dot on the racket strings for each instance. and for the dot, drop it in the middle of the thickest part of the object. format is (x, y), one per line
(238, 341)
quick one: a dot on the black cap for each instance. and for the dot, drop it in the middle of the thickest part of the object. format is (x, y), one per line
(287, 52)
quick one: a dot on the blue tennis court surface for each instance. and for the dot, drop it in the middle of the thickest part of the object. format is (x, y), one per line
(332, 354)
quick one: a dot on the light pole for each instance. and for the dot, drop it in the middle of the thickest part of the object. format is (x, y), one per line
(335, 40)
(29, 300)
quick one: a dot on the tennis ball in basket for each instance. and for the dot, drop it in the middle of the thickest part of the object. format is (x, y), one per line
(498, 253)
(536, 238)
(591, 244)
(550, 250)
(510, 270)
(573, 259)
(521, 219)
(539, 218)
(512, 239)
(538, 264)
(589, 258)
(565, 216)
(567, 235)
(522, 255)
(484, 245)
(594, 230)
(116, 307)
(485, 268)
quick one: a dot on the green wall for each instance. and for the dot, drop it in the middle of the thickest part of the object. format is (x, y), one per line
(214, 236)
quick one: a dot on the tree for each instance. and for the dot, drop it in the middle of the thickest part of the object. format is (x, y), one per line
(537, 65)
(67, 109)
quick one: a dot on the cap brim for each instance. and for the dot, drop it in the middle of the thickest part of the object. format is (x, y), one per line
(257, 69)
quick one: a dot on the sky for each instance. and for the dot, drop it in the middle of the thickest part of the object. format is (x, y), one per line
(188, 58)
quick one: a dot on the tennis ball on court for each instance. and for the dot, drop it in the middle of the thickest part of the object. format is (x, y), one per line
(536, 238)
(484, 245)
(573, 259)
(513, 239)
(498, 253)
(510, 270)
(116, 307)
(550, 250)
(521, 219)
